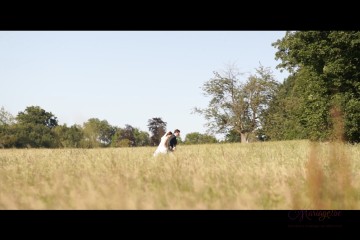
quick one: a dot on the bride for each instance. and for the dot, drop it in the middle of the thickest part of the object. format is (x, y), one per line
(164, 143)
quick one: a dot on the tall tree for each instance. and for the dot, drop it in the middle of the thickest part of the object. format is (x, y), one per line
(235, 105)
(300, 109)
(333, 60)
(157, 127)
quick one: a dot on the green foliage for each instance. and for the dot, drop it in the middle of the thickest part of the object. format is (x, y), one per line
(124, 143)
(326, 74)
(129, 137)
(34, 115)
(232, 136)
(116, 137)
(198, 138)
(351, 116)
(141, 138)
(300, 109)
(314, 105)
(333, 55)
(8, 136)
(33, 129)
(157, 127)
(69, 137)
(180, 140)
(281, 120)
(34, 136)
(97, 133)
(128, 133)
(39, 129)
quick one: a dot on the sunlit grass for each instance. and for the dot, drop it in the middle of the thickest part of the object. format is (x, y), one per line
(268, 175)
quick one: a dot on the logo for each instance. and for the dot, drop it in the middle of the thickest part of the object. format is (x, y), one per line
(314, 218)
(312, 215)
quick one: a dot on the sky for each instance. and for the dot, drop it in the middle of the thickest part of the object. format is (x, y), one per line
(125, 77)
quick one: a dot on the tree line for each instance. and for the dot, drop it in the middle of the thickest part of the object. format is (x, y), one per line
(38, 128)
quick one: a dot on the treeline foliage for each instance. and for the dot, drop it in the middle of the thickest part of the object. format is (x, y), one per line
(37, 128)
(325, 67)
(198, 138)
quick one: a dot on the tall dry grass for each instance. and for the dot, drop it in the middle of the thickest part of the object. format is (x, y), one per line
(270, 175)
(331, 178)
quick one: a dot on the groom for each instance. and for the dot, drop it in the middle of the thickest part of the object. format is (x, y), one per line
(173, 140)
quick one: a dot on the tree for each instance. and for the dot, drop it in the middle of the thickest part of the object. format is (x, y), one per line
(8, 136)
(34, 128)
(157, 127)
(333, 60)
(259, 90)
(5, 117)
(300, 109)
(7, 121)
(141, 138)
(333, 55)
(69, 137)
(37, 116)
(129, 137)
(116, 138)
(198, 138)
(237, 106)
(97, 133)
(232, 136)
(128, 133)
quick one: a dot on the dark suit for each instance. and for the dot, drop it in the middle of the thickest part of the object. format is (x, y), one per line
(172, 142)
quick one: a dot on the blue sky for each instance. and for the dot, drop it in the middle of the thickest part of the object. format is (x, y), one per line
(125, 77)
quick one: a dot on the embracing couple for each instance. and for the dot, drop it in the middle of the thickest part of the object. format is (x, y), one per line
(168, 142)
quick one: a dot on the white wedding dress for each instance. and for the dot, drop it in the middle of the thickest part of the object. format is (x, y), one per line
(162, 148)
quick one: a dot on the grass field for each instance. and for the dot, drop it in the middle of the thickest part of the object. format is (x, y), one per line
(267, 175)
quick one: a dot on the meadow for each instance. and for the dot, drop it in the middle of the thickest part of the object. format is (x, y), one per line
(254, 176)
